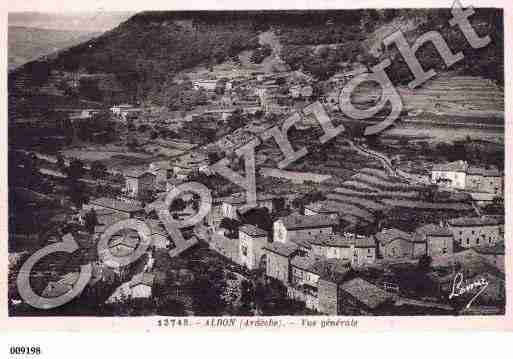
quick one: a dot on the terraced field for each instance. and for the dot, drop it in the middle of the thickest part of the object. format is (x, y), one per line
(371, 190)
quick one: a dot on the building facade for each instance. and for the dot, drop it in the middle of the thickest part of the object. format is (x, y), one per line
(299, 227)
(251, 243)
(475, 231)
(435, 240)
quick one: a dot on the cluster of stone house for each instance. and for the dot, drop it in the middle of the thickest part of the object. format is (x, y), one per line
(436, 240)
(462, 176)
(307, 255)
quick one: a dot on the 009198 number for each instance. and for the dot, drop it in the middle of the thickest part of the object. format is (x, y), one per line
(21, 350)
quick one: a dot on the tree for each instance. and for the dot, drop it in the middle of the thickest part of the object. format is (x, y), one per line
(60, 163)
(259, 217)
(178, 205)
(213, 157)
(424, 263)
(76, 169)
(230, 224)
(235, 120)
(98, 170)
(78, 193)
(90, 220)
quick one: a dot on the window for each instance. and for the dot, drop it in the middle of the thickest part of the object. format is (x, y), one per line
(444, 250)
(477, 241)
(244, 250)
(468, 241)
(473, 232)
(368, 250)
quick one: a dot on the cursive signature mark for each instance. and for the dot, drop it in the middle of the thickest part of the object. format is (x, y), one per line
(458, 288)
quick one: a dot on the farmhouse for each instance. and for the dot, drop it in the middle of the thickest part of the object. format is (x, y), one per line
(296, 226)
(438, 240)
(251, 242)
(475, 231)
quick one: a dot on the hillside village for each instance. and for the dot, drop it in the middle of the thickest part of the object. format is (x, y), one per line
(360, 225)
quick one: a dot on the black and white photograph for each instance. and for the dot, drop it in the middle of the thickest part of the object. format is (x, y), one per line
(259, 164)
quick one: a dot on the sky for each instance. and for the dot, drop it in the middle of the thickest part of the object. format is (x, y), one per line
(76, 21)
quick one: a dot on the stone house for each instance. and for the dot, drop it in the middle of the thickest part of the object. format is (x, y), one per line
(232, 204)
(296, 226)
(359, 297)
(141, 285)
(251, 242)
(279, 256)
(461, 175)
(359, 250)
(482, 179)
(475, 231)
(452, 174)
(161, 169)
(139, 183)
(308, 273)
(438, 240)
(396, 244)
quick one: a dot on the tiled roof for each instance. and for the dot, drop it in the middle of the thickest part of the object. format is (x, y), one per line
(482, 171)
(332, 269)
(116, 204)
(305, 263)
(143, 278)
(322, 207)
(283, 249)
(252, 231)
(463, 166)
(474, 221)
(136, 173)
(297, 221)
(335, 240)
(457, 166)
(433, 230)
(388, 235)
(365, 292)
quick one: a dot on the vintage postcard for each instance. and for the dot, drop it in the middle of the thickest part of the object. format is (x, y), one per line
(328, 168)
